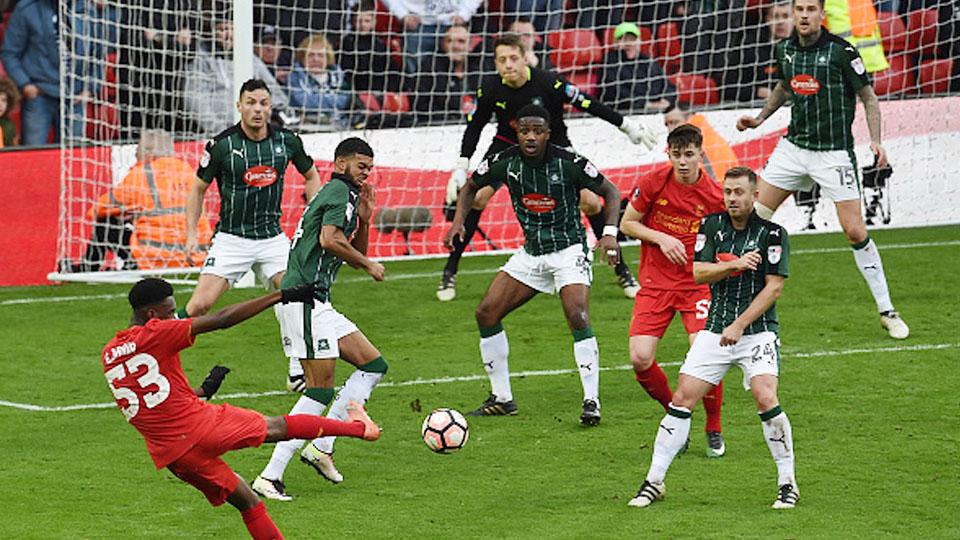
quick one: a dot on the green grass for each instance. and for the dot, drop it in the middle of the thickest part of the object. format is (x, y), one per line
(877, 433)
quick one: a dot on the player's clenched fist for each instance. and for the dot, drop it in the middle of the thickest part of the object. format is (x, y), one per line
(748, 122)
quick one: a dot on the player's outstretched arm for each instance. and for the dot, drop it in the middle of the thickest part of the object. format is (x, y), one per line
(333, 241)
(194, 208)
(632, 225)
(464, 201)
(707, 272)
(871, 108)
(771, 291)
(776, 99)
(237, 313)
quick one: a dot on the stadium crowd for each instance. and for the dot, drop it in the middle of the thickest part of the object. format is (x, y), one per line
(331, 64)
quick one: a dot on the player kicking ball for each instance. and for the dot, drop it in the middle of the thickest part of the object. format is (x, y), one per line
(745, 260)
(824, 75)
(544, 182)
(187, 435)
(665, 215)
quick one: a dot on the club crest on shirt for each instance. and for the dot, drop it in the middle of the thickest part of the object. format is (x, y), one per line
(205, 156)
(774, 253)
(701, 241)
(590, 170)
(857, 65)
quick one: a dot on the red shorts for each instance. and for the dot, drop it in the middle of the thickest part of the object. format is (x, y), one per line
(653, 311)
(201, 466)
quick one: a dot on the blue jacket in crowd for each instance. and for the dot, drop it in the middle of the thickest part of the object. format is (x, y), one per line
(30, 51)
(308, 96)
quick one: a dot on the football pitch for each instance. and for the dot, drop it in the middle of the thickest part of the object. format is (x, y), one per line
(876, 421)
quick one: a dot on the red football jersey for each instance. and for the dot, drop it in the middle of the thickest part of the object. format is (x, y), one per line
(142, 366)
(675, 209)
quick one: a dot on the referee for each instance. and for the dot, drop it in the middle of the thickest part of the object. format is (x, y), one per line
(515, 85)
(824, 74)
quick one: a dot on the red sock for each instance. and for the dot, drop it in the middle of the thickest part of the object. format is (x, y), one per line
(308, 426)
(654, 381)
(259, 524)
(712, 402)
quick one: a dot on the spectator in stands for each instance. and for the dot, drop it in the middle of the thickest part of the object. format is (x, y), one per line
(753, 71)
(95, 29)
(545, 15)
(424, 21)
(9, 97)
(318, 86)
(712, 31)
(296, 20)
(270, 50)
(365, 57)
(31, 56)
(448, 79)
(536, 51)
(142, 220)
(631, 81)
(208, 86)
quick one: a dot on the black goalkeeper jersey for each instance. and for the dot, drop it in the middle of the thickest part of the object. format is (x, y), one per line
(543, 88)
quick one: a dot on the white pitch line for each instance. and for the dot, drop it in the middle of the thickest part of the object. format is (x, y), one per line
(468, 378)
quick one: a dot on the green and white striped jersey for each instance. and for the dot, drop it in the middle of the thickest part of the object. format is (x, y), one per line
(545, 194)
(719, 241)
(824, 78)
(335, 204)
(249, 175)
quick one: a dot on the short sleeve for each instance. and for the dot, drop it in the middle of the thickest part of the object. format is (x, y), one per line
(173, 335)
(854, 70)
(781, 72)
(643, 194)
(705, 248)
(299, 157)
(588, 175)
(777, 256)
(484, 176)
(337, 208)
(209, 167)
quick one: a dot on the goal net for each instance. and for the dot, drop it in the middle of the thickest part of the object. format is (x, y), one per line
(160, 75)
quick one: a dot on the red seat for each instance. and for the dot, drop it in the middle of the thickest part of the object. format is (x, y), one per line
(370, 101)
(668, 47)
(892, 31)
(935, 76)
(695, 89)
(574, 49)
(922, 32)
(646, 41)
(897, 79)
(395, 102)
(585, 80)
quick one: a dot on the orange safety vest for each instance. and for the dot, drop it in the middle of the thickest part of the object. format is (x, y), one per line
(718, 157)
(154, 195)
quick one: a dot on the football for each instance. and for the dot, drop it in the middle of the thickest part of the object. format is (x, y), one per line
(445, 431)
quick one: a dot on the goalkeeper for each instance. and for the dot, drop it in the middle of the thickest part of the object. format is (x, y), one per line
(515, 85)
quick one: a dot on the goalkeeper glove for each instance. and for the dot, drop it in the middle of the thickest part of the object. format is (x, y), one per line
(300, 293)
(213, 381)
(639, 133)
(457, 179)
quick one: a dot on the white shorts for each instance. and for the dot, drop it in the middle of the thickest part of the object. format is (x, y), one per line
(796, 169)
(231, 256)
(551, 272)
(756, 354)
(317, 340)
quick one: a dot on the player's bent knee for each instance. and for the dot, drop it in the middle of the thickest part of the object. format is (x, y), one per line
(763, 211)
(487, 315)
(641, 362)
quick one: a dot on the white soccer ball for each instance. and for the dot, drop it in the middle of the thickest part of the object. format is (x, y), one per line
(445, 431)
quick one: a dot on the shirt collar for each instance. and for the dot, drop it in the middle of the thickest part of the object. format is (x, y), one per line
(244, 133)
(345, 179)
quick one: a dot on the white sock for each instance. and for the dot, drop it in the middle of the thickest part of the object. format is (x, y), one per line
(672, 434)
(494, 351)
(779, 436)
(358, 388)
(285, 450)
(296, 368)
(871, 267)
(587, 354)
